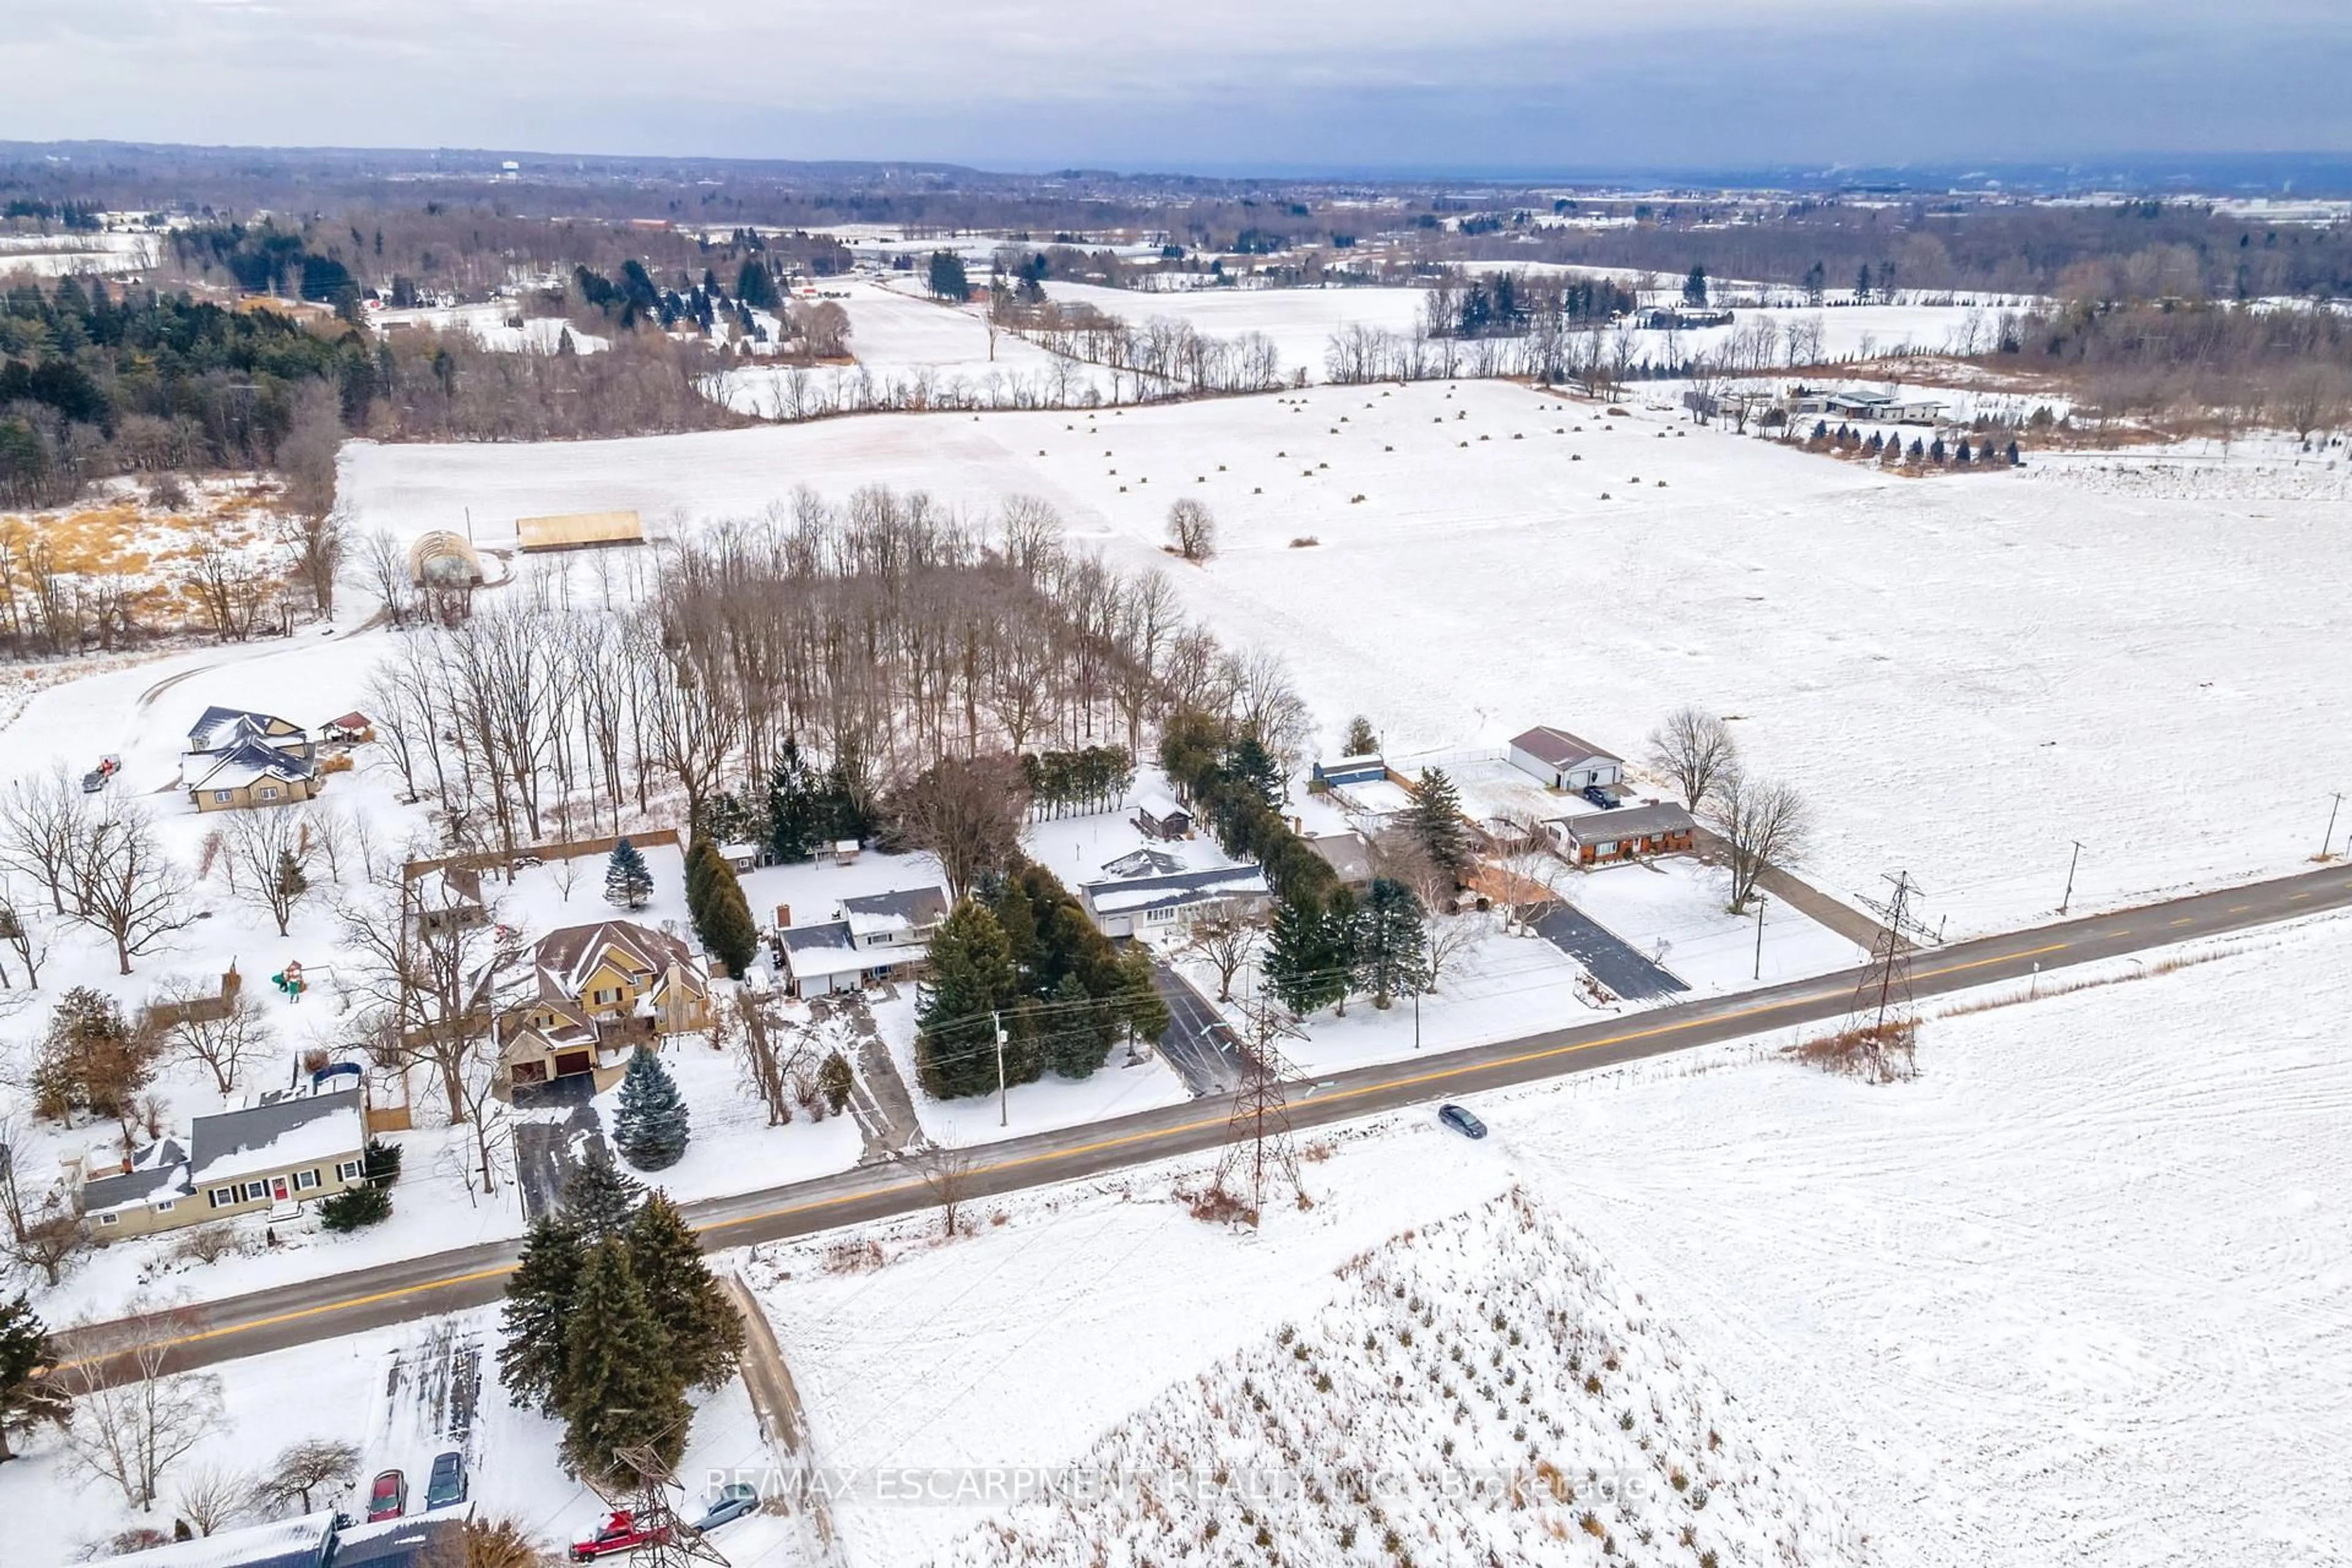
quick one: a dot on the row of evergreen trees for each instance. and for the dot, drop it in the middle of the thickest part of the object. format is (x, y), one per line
(1093, 778)
(610, 1316)
(1322, 950)
(1021, 951)
(799, 811)
(1235, 787)
(720, 913)
(1890, 448)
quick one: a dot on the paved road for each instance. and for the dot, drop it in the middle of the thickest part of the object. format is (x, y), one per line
(1197, 1043)
(1608, 957)
(470, 1277)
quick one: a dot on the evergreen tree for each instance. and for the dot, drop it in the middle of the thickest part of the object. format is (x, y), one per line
(1861, 285)
(627, 882)
(537, 1311)
(2013, 454)
(702, 1332)
(25, 1355)
(1391, 958)
(651, 1130)
(836, 1080)
(618, 1388)
(972, 974)
(1434, 821)
(598, 1198)
(1251, 765)
(290, 883)
(734, 936)
(791, 806)
(1306, 963)
(1083, 1030)
(354, 1208)
(1141, 1007)
(754, 286)
(1963, 455)
(1695, 285)
(947, 277)
(1360, 740)
(1936, 452)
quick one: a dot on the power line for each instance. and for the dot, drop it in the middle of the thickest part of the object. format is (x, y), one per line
(1884, 1023)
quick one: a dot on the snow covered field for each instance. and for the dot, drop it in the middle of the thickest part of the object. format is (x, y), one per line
(2069, 1297)
(1963, 674)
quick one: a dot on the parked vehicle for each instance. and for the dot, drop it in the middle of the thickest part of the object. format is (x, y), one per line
(388, 1497)
(620, 1533)
(446, 1485)
(1601, 797)
(735, 1499)
(1459, 1117)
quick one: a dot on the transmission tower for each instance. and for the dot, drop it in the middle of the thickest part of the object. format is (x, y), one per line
(1257, 1137)
(1884, 1021)
(640, 1486)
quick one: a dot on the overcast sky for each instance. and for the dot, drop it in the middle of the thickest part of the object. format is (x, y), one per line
(1222, 84)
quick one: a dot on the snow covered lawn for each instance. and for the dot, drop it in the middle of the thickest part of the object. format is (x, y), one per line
(1670, 911)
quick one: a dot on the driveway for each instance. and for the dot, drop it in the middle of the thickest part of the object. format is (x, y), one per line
(554, 1123)
(1608, 957)
(1197, 1043)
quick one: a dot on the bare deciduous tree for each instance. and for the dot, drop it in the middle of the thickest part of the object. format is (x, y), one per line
(211, 1495)
(273, 850)
(313, 1464)
(126, 886)
(22, 933)
(946, 1170)
(428, 960)
(221, 1037)
(966, 813)
(776, 1055)
(1224, 936)
(42, 820)
(130, 1424)
(1764, 823)
(1192, 529)
(1695, 750)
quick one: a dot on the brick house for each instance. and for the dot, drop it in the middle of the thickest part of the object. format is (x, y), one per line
(1598, 837)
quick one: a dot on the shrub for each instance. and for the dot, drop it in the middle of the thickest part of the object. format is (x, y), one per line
(354, 1208)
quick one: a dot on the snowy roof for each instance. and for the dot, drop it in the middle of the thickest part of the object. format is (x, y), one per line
(1627, 822)
(1157, 807)
(155, 1173)
(1131, 894)
(1344, 853)
(303, 1543)
(397, 1542)
(284, 1133)
(1559, 748)
(566, 958)
(870, 914)
(822, 950)
(248, 761)
(1144, 863)
(218, 728)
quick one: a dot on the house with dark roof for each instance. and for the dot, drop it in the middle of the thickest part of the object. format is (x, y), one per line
(1562, 761)
(289, 1149)
(1127, 906)
(238, 760)
(1597, 837)
(323, 1540)
(872, 939)
(596, 993)
(1347, 855)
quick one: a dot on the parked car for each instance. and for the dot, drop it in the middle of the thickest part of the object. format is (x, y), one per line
(1601, 797)
(735, 1499)
(1459, 1117)
(620, 1533)
(446, 1485)
(388, 1497)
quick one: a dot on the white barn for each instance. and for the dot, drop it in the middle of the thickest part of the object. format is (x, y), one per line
(1562, 761)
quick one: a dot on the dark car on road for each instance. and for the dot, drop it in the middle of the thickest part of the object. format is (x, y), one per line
(1459, 1117)
(388, 1497)
(446, 1485)
(735, 1499)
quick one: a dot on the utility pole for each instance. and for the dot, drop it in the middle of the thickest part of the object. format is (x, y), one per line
(2328, 838)
(1761, 901)
(1257, 1135)
(1003, 1110)
(1881, 999)
(2068, 896)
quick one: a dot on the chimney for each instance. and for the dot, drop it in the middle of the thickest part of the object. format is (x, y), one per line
(783, 915)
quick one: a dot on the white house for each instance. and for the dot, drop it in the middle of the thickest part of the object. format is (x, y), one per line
(873, 937)
(1126, 906)
(1562, 761)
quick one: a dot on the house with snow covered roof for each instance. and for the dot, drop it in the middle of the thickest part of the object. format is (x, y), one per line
(1595, 837)
(1562, 761)
(1125, 906)
(238, 760)
(291, 1148)
(872, 939)
(596, 993)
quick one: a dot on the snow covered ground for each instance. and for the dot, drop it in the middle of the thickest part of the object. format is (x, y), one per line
(2069, 1297)
(1961, 674)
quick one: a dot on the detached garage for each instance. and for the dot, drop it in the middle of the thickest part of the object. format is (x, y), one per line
(1562, 761)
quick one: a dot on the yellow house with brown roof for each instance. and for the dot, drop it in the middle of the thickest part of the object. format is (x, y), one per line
(600, 992)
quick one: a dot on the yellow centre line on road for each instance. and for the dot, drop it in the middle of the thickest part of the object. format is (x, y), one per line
(2186, 920)
(1435, 1075)
(2240, 908)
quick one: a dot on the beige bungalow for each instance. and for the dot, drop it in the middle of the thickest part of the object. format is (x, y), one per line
(288, 1150)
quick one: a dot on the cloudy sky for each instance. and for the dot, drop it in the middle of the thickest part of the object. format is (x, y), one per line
(1200, 84)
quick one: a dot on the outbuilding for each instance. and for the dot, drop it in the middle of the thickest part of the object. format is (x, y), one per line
(1562, 761)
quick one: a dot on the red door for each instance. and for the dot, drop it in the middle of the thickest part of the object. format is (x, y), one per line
(277, 1188)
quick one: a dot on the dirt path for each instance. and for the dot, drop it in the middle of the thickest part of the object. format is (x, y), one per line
(777, 1400)
(1805, 899)
(879, 1099)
